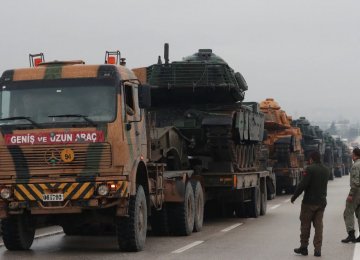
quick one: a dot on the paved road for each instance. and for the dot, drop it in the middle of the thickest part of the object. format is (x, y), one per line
(268, 237)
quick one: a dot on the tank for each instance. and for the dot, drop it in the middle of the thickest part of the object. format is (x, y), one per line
(202, 96)
(284, 143)
(312, 139)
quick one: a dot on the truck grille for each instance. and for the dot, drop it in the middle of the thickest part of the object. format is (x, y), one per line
(40, 157)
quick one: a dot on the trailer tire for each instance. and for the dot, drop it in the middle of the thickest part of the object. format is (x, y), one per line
(241, 209)
(271, 190)
(181, 215)
(331, 176)
(159, 222)
(71, 230)
(18, 232)
(131, 231)
(263, 204)
(199, 206)
(255, 204)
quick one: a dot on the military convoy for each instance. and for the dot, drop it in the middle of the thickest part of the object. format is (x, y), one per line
(82, 148)
(101, 148)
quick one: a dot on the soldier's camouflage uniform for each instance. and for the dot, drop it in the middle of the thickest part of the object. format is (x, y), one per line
(353, 206)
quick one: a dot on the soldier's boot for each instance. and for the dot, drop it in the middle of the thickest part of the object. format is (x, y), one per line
(301, 250)
(317, 253)
(351, 237)
(357, 240)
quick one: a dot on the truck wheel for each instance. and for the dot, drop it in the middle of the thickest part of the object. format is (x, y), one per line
(18, 232)
(159, 222)
(181, 215)
(255, 204)
(240, 209)
(331, 176)
(199, 206)
(131, 231)
(263, 204)
(271, 196)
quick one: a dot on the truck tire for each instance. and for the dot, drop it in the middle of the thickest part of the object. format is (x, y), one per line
(159, 222)
(263, 203)
(131, 231)
(331, 176)
(18, 232)
(181, 215)
(199, 206)
(271, 195)
(255, 204)
(241, 210)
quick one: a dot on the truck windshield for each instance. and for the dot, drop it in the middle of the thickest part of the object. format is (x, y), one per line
(47, 101)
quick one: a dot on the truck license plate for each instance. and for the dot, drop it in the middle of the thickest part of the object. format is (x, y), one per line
(53, 197)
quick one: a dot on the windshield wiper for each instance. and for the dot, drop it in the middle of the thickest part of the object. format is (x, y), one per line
(77, 115)
(22, 118)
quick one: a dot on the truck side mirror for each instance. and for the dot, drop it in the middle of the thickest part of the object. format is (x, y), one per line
(144, 96)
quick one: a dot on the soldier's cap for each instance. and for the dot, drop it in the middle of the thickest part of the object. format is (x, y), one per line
(356, 151)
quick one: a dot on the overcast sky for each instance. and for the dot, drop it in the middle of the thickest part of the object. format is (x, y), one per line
(303, 53)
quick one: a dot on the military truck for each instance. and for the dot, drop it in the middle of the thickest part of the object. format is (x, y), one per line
(77, 150)
(284, 142)
(339, 167)
(202, 96)
(346, 156)
(328, 157)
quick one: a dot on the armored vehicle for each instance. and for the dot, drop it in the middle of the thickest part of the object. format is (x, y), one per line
(202, 96)
(284, 142)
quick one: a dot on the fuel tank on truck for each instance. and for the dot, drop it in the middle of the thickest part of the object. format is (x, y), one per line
(203, 97)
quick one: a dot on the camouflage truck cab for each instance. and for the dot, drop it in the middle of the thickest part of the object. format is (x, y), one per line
(75, 150)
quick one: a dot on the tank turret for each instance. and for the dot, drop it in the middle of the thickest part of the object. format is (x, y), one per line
(202, 77)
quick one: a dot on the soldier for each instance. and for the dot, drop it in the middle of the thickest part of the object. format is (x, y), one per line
(314, 185)
(353, 199)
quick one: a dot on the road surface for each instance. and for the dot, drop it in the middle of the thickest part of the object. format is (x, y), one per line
(273, 236)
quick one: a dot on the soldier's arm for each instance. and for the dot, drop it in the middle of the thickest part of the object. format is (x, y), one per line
(355, 180)
(304, 183)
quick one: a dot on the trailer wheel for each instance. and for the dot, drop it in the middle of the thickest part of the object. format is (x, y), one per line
(331, 175)
(181, 215)
(199, 206)
(18, 232)
(131, 231)
(71, 230)
(241, 210)
(159, 222)
(263, 204)
(255, 204)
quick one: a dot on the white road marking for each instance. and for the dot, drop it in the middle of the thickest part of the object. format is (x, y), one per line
(43, 235)
(286, 201)
(276, 206)
(356, 255)
(231, 227)
(180, 250)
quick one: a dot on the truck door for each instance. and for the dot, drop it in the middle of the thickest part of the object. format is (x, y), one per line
(133, 125)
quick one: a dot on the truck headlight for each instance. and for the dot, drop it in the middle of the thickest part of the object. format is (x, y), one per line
(103, 190)
(5, 193)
